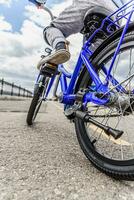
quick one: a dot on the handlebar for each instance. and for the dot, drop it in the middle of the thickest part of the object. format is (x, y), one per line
(43, 7)
(49, 11)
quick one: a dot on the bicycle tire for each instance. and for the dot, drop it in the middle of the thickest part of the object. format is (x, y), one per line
(39, 91)
(117, 169)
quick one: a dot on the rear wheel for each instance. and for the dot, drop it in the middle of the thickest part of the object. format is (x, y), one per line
(38, 98)
(114, 157)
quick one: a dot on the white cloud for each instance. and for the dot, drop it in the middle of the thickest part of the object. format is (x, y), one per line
(5, 26)
(19, 44)
(6, 2)
(19, 52)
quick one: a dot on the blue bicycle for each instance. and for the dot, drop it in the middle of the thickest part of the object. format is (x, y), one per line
(99, 98)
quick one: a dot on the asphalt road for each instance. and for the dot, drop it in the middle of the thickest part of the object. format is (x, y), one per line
(45, 162)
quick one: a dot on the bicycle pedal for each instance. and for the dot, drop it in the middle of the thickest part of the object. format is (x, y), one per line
(48, 69)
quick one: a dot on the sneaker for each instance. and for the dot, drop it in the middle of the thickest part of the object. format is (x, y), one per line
(58, 56)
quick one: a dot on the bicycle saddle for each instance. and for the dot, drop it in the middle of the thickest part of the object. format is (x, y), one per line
(93, 19)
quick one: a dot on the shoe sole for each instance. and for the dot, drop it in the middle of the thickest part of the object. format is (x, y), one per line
(58, 57)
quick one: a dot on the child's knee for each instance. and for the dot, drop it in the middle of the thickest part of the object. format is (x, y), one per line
(52, 35)
(46, 33)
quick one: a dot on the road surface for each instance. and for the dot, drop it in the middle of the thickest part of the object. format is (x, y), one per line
(45, 162)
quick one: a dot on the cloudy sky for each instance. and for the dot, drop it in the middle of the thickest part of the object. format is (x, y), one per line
(21, 39)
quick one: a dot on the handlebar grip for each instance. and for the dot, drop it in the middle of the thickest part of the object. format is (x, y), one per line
(34, 2)
(37, 3)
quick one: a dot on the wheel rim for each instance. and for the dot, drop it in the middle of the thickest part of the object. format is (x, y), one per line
(37, 109)
(40, 100)
(123, 148)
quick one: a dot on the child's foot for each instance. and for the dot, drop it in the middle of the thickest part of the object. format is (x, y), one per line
(59, 55)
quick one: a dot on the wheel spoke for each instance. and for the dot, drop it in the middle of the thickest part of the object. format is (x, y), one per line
(116, 116)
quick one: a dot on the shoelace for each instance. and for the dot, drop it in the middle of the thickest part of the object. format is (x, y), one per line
(48, 51)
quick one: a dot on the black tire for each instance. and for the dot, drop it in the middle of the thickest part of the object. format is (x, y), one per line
(36, 101)
(117, 169)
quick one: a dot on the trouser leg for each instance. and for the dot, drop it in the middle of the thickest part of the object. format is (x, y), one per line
(53, 36)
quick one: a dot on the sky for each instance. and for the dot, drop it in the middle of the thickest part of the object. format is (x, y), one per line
(21, 39)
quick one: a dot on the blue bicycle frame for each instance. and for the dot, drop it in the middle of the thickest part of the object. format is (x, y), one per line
(69, 97)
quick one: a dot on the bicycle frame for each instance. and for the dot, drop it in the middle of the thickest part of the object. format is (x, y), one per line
(68, 96)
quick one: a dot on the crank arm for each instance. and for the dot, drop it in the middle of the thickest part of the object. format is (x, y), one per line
(116, 134)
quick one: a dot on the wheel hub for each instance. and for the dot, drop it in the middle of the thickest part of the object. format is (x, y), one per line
(124, 103)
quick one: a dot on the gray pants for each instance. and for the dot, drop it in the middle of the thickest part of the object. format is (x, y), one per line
(70, 21)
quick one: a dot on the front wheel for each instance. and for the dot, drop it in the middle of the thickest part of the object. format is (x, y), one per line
(113, 157)
(39, 93)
